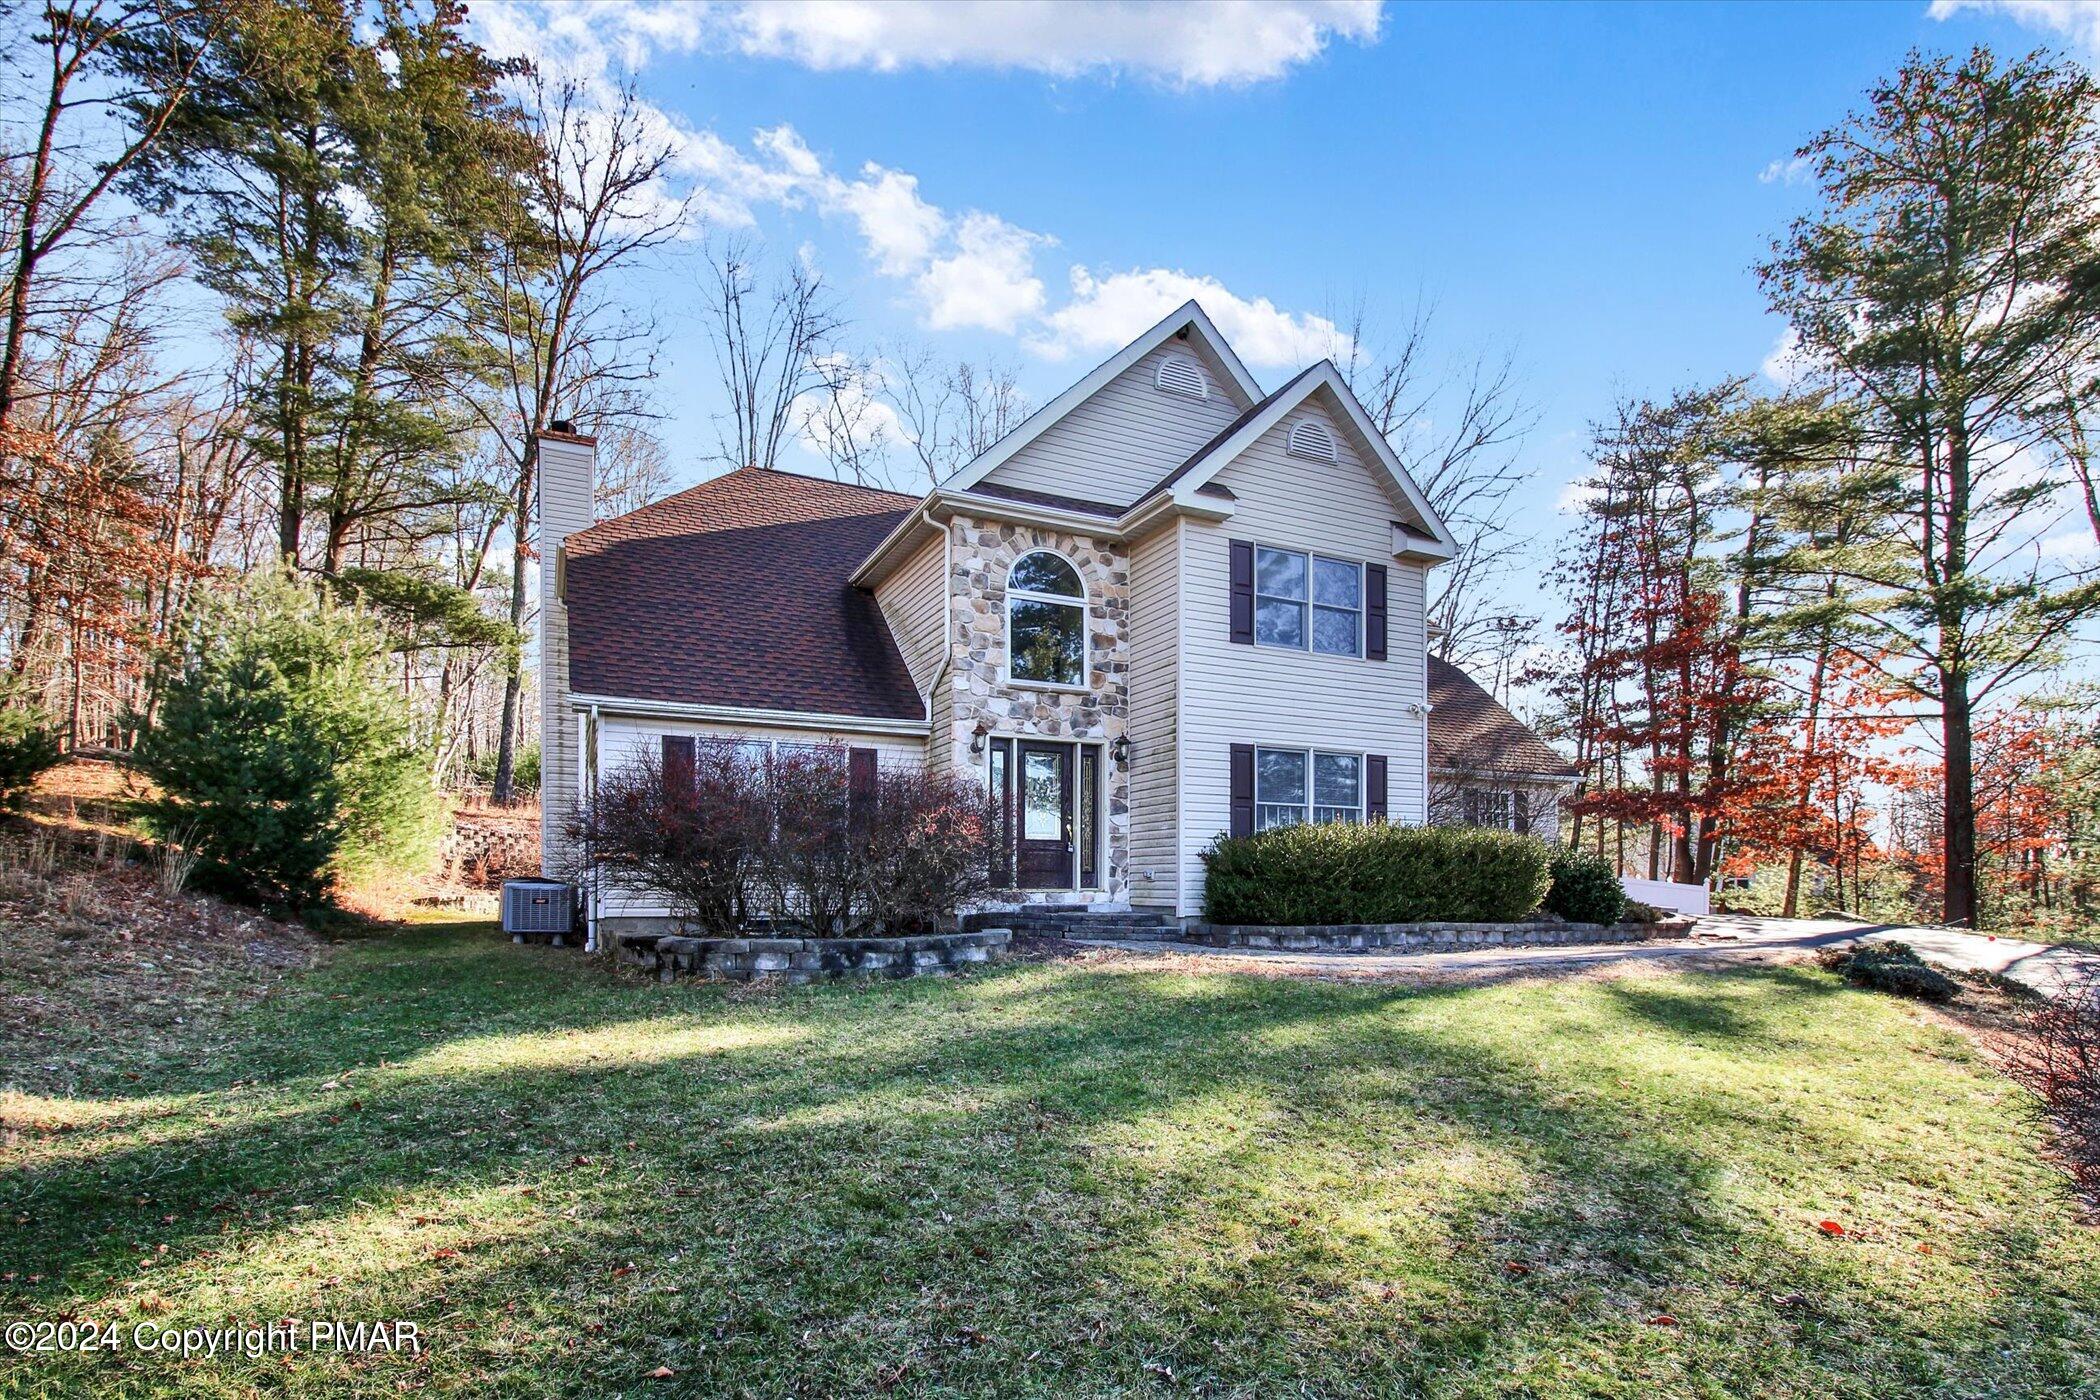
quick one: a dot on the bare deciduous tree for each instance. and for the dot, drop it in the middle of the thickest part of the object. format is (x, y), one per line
(61, 179)
(774, 347)
(1459, 435)
(951, 412)
(597, 202)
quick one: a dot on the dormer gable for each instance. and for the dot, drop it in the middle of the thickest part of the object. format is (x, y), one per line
(1315, 421)
(1109, 437)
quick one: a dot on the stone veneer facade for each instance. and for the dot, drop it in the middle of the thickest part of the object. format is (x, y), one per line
(978, 693)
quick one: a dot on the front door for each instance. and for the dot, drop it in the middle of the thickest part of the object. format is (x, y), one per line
(1043, 806)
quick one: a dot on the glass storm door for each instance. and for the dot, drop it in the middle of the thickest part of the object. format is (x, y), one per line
(1044, 847)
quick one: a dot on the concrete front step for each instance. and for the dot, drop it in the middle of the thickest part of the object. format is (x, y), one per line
(1143, 925)
(1049, 917)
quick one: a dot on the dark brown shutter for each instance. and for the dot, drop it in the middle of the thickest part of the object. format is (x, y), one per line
(1242, 790)
(679, 774)
(1243, 592)
(1374, 787)
(860, 784)
(1374, 611)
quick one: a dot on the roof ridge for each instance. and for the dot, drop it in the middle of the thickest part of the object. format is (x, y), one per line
(820, 480)
(900, 500)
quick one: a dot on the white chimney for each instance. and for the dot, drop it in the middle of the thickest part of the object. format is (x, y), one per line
(568, 464)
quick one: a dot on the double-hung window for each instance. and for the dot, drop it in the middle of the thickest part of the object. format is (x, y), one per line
(1292, 786)
(1308, 602)
(1491, 807)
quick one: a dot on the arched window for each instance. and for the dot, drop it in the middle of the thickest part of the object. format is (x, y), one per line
(1045, 621)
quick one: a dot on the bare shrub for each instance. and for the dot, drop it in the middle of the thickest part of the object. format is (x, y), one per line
(695, 840)
(788, 835)
(35, 855)
(927, 845)
(112, 847)
(810, 869)
(2058, 1059)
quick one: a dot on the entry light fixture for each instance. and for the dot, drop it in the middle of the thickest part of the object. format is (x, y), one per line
(977, 741)
(1120, 749)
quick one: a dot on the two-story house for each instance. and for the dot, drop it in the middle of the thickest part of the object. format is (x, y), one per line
(1164, 607)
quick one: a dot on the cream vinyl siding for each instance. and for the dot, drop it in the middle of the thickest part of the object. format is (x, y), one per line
(1155, 644)
(622, 740)
(943, 749)
(1117, 445)
(914, 602)
(1238, 694)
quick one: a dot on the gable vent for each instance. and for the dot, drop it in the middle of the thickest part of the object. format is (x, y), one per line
(1178, 374)
(1310, 439)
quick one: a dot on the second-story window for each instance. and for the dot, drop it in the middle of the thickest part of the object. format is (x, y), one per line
(1306, 602)
(1045, 621)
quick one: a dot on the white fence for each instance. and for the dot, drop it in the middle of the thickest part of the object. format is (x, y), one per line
(1683, 899)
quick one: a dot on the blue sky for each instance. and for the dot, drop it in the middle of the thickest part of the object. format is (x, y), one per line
(1585, 187)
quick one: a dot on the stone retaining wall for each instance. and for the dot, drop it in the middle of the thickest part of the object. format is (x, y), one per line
(798, 960)
(1425, 938)
(484, 849)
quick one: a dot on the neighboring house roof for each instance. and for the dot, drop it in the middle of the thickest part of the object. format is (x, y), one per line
(1470, 732)
(734, 594)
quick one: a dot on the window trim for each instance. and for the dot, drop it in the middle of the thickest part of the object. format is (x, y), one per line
(1309, 753)
(1084, 602)
(1308, 604)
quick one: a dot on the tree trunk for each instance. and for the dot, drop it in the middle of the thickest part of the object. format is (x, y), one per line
(1958, 806)
(513, 666)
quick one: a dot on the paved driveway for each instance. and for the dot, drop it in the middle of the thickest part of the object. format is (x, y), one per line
(1717, 937)
(2042, 966)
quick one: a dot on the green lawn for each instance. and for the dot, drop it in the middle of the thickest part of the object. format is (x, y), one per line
(1054, 1178)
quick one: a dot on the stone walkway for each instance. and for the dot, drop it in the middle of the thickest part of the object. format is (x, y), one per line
(1717, 938)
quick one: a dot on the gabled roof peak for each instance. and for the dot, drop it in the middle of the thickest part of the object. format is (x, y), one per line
(1188, 319)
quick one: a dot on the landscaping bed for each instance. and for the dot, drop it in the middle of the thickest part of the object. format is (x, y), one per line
(99, 962)
(1429, 937)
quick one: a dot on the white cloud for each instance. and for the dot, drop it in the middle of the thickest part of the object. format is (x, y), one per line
(850, 415)
(587, 41)
(989, 280)
(1231, 43)
(1107, 312)
(2076, 547)
(901, 229)
(1786, 172)
(1578, 495)
(1242, 41)
(1788, 364)
(964, 268)
(2076, 20)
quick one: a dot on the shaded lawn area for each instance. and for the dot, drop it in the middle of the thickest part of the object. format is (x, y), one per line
(1060, 1178)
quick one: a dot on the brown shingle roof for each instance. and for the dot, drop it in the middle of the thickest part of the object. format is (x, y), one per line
(1047, 498)
(1470, 732)
(734, 593)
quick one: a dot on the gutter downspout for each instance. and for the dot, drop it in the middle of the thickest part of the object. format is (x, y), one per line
(591, 896)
